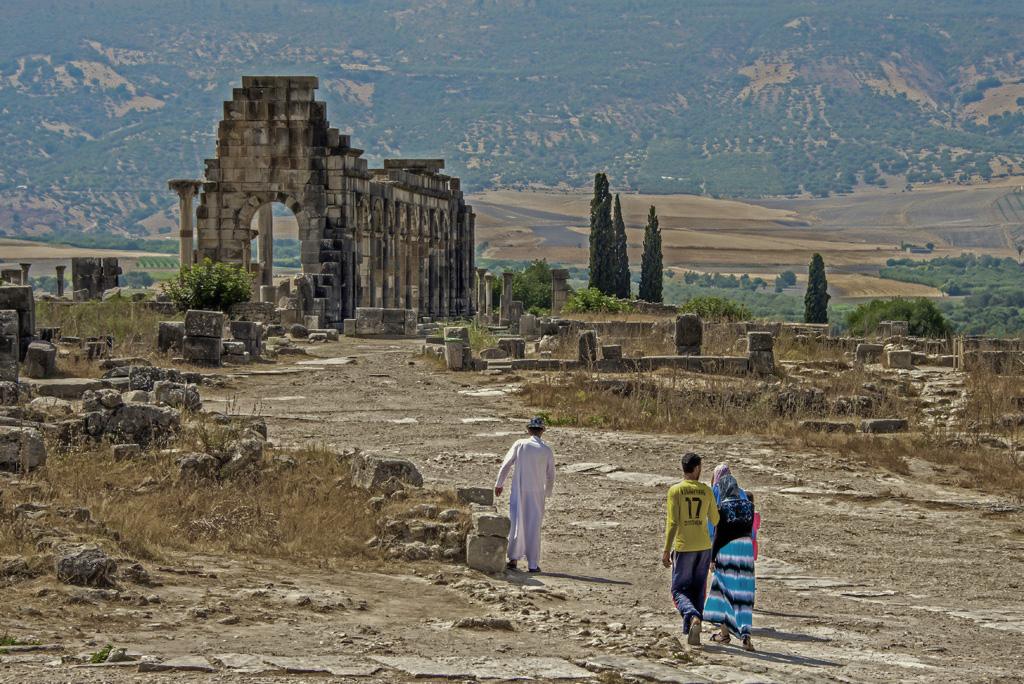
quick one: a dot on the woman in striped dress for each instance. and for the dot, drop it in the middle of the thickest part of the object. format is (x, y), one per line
(731, 600)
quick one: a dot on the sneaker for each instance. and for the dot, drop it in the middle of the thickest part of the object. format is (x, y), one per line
(534, 569)
(511, 565)
(693, 637)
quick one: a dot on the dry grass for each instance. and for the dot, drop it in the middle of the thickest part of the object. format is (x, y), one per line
(790, 347)
(991, 398)
(307, 510)
(133, 326)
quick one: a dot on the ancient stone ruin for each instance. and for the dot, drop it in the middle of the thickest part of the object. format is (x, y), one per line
(399, 237)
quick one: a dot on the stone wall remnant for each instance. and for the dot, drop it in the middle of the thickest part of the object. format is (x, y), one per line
(41, 360)
(19, 298)
(9, 347)
(506, 298)
(92, 276)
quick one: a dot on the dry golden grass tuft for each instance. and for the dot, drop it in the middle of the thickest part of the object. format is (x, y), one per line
(303, 507)
(133, 325)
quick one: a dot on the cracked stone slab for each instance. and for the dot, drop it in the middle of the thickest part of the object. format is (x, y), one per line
(338, 666)
(485, 668)
(648, 670)
(480, 419)
(643, 479)
(183, 664)
(336, 361)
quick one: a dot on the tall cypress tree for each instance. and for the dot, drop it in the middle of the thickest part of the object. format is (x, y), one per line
(601, 237)
(651, 269)
(816, 299)
(620, 256)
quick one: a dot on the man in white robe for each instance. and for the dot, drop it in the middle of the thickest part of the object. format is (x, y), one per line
(532, 481)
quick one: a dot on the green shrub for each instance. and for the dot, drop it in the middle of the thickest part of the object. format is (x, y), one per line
(593, 300)
(532, 286)
(925, 318)
(717, 309)
(210, 286)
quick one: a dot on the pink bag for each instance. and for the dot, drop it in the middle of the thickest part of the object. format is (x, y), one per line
(757, 526)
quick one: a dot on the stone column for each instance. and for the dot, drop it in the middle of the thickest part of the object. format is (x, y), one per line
(265, 226)
(186, 189)
(60, 280)
(559, 290)
(488, 293)
(506, 296)
(24, 272)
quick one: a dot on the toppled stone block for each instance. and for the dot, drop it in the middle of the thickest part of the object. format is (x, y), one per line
(123, 362)
(202, 350)
(827, 426)
(298, 331)
(493, 354)
(486, 554)
(233, 347)
(760, 342)
(483, 496)
(137, 396)
(454, 354)
(170, 335)
(21, 449)
(878, 426)
(140, 423)
(317, 338)
(274, 330)
(868, 353)
(126, 452)
(41, 360)
(899, 359)
(65, 388)
(348, 327)
(491, 524)
(199, 323)
(49, 408)
(379, 473)
(86, 566)
(611, 351)
(197, 466)
(177, 395)
(101, 400)
(328, 333)
(515, 347)
(9, 393)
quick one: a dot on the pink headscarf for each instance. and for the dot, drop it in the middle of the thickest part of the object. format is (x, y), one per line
(721, 470)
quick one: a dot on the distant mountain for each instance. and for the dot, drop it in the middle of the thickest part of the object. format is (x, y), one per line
(102, 101)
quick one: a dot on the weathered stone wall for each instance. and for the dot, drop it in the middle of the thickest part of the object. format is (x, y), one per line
(92, 276)
(400, 237)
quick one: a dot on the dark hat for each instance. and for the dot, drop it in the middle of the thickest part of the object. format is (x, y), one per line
(536, 423)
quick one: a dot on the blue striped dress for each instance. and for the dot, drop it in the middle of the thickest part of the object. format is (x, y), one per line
(731, 601)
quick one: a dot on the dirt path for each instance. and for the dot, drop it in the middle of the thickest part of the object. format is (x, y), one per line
(864, 575)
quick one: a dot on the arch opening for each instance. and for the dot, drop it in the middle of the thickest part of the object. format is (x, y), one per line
(274, 242)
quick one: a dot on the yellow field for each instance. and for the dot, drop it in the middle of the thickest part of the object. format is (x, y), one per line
(45, 257)
(855, 234)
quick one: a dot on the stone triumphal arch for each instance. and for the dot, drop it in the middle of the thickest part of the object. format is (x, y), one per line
(397, 237)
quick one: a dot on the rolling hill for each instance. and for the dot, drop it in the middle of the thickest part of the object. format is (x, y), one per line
(103, 101)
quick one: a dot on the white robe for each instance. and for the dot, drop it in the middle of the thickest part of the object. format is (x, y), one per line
(532, 483)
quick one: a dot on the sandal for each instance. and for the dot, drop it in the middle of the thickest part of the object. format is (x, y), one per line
(719, 639)
(747, 645)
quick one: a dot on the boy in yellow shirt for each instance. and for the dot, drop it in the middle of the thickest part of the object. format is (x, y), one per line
(691, 505)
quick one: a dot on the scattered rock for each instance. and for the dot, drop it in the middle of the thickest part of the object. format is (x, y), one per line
(86, 566)
(883, 425)
(475, 495)
(486, 554)
(384, 474)
(177, 395)
(503, 624)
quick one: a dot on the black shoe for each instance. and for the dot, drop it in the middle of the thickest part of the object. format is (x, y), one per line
(534, 569)
(511, 565)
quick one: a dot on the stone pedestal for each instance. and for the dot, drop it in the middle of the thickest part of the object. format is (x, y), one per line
(202, 341)
(24, 272)
(587, 346)
(506, 297)
(559, 289)
(689, 335)
(60, 280)
(760, 352)
(41, 360)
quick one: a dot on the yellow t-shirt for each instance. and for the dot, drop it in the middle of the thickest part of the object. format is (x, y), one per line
(691, 505)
